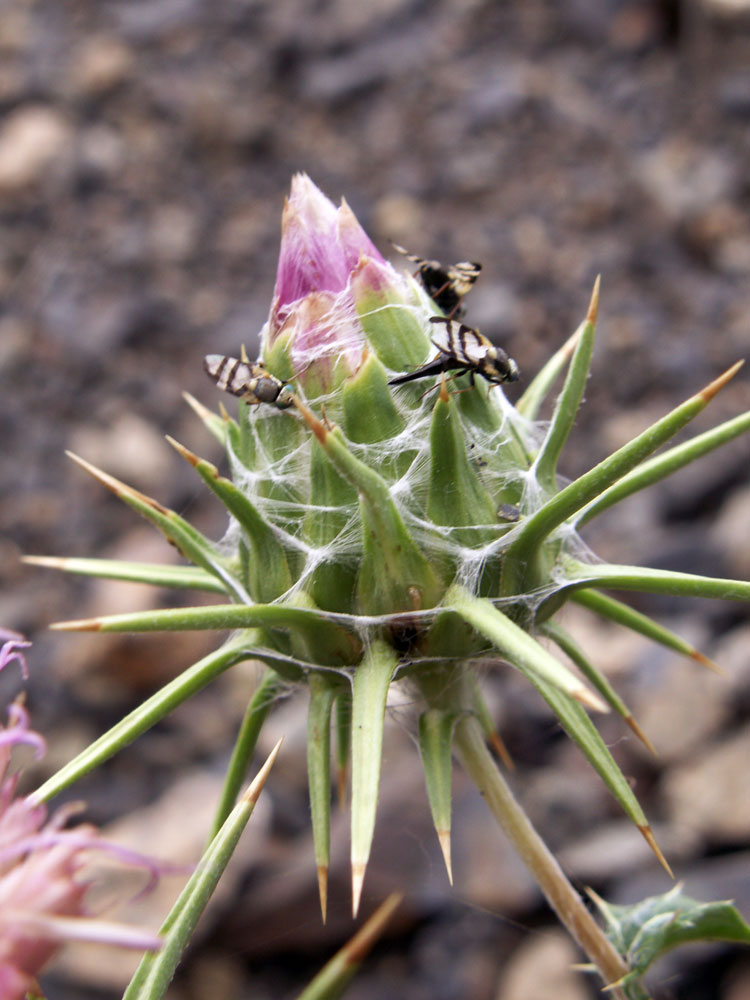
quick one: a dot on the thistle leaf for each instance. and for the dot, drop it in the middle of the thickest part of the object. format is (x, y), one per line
(322, 693)
(332, 581)
(148, 713)
(154, 974)
(571, 648)
(323, 638)
(223, 428)
(394, 574)
(645, 931)
(176, 577)
(370, 414)
(268, 570)
(487, 723)
(568, 402)
(188, 541)
(435, 740)
(244, 747)
(661, 466)
(372, 679)
(390, 325)
(584, 733)
(616, 611)
(651, 581)
(456, 496)
(520, 555)
(540, 386)
(518, 647)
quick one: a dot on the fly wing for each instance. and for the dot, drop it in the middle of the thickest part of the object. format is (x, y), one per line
(431, 368)
(229, 374)
(460, 342)
(474, 346)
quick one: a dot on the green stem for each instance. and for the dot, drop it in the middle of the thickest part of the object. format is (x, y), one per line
(560, 894)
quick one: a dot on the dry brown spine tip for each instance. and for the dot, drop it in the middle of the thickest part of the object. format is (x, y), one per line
(203, 411)
(243, 356)
(593, 312)
(709, 664)
(356, 949)
(444, 836)
(712, 388)
(444, 394)
(496, 741)
(358, 878)
(650, 839)
(79, 625)
(589, 699)
(323, 890)
(182, 450)
(641, 735)
(256, 785)
(52, 562)
(117, 487)
(224, 414)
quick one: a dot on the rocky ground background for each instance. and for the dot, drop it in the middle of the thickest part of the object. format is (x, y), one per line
(145, 150)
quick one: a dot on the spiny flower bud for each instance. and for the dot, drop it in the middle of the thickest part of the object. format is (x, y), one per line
(402, 520)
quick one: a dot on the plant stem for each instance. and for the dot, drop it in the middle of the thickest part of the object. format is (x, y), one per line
(562, 897)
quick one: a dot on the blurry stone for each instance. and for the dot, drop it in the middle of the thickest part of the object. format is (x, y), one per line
(613, 850)
(734, 93)
(709, 793)
(734, 255)
(399, 217)
(683, 177)
(174, 232)
(541, 969)
(728, 9)
(486, 869)
(732, 654)
(131, 449)
(32, 138)
(680, 704)
(102, 150)
(241, 231)
(731, 532)
(14, 340)
(99, 64)
(15, 29)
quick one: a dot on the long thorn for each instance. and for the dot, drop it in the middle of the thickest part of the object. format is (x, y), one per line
(648, 836)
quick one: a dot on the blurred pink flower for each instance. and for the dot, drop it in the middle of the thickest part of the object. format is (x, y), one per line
(42, 894)
(11, 643)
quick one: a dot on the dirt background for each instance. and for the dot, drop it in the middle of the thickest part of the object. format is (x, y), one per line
(145, 150)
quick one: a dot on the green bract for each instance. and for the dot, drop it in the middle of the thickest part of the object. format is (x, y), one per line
(380, 533)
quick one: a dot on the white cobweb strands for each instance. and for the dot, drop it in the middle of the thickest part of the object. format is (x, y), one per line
(274, 472)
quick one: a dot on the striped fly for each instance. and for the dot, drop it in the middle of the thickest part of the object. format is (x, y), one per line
(464, 349)
(248, 379)
(446, 286)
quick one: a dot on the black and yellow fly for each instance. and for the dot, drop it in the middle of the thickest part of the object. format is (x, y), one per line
(248, 379)
(464, 349)
(446, 286)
